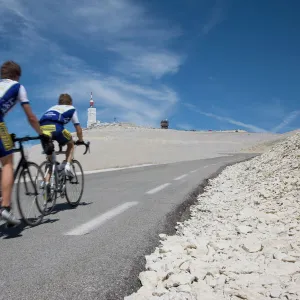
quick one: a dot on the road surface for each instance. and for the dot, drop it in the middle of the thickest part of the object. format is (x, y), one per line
(97, 250)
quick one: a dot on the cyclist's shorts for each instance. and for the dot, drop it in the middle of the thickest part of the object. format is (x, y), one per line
(58, 133)
(6, 143)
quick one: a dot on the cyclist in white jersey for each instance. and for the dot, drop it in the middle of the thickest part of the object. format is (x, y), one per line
(11, 93)
(52, 124)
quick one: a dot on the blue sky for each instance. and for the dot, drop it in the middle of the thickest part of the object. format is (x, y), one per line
(202, 64)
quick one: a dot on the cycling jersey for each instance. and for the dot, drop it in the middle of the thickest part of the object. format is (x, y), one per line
(53, 120)
(11, 92)
(62, 114)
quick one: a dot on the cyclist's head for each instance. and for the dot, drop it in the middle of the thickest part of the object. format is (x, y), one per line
(65, 99)
(10, 70)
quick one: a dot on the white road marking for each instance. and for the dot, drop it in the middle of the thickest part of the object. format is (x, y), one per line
(194, 171)
(205, 167)
(94, 223)
(180, 177)
(158, 188)
(116, 169)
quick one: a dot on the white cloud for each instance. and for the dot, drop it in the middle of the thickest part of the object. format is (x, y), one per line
(217, 15)
(156, 64)
(116, 27)
(143, 104)
(225, 119)
(120, 26)
(286, 121)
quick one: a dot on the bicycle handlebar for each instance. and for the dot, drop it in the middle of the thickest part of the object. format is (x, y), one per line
(24, 139)
(32, 138)
(77, 143)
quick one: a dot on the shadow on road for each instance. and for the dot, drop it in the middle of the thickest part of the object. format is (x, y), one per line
(65, 206)
(7, 232)
(15, 232)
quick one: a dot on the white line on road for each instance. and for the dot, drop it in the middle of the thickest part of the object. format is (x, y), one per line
(180, 177)
(117, 169)
(194, 171)
(205, 167)
(94, 223)
(158, 188)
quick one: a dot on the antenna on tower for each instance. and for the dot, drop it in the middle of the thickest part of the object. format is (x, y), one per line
(91, 100)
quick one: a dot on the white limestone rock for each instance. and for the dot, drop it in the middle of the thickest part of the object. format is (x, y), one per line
(176, 280)
(275, 291)
(199, 269)
(244, 229)
(252, 244)
(149, 279)
(242, 240)
(280, 268)
(204, 292)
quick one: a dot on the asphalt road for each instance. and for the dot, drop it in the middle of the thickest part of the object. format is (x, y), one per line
(97, 250)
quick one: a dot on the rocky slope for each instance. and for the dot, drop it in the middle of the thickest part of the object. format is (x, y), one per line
(242, 240)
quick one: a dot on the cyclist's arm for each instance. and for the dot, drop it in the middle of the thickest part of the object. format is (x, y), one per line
(79, 132)
(77, 126)
(32, 119)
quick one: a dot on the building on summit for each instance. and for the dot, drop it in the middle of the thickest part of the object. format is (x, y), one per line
(92, 114)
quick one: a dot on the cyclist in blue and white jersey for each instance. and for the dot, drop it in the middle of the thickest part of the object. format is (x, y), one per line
(11, 93)
(52, 124)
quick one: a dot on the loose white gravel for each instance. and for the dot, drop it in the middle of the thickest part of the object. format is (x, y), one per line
(242, 240)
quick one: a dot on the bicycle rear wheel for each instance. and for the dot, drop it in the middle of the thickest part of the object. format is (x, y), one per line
(75, 185)
(28, 184)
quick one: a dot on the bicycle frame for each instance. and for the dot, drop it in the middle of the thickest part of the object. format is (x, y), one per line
(58, 178)
(22, 162)
(54, 180)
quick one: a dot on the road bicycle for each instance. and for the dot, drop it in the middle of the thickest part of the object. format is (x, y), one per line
(61, 183)
(27, 174)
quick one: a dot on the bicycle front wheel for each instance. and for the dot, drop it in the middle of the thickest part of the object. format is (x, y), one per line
(30, 178)
(75, 185)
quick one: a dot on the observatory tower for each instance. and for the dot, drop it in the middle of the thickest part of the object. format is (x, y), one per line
(91, 120)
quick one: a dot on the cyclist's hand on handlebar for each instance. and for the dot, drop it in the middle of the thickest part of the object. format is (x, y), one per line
(86, 144)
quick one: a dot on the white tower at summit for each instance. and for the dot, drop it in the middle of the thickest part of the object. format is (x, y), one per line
(91, 120)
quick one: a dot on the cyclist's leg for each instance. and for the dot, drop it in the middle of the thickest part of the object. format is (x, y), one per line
(70, 151)
(64, 137)
(7, 178)
(48, 147)
(0, 186)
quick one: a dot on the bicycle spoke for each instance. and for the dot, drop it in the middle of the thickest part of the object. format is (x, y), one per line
(75, 185)
(28, 185)
(49, 198)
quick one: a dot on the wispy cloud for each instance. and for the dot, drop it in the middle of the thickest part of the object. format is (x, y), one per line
(157, 64)
(225, 119)
(286, 121)
(119, 33)
(126, 101)
(217, 15)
